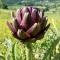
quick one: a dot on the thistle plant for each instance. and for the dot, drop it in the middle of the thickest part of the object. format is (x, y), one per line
(28, 22)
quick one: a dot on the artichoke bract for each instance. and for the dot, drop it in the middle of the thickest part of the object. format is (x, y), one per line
(28, 22)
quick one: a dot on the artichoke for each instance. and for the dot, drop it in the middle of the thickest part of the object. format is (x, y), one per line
(28, 22)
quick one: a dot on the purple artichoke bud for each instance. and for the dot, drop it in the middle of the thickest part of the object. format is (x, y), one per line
(28, 22)
(19, 16)
(13, 15)
(30, 9)
(16, 24)
(25, 21)
(34, 15)
(41, 14)
(24, 10)
(12, 28)
(32, 30)
(44, 22)
(21, 34)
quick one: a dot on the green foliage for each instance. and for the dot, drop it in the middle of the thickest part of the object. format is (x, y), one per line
(47, 8)
(3, 4)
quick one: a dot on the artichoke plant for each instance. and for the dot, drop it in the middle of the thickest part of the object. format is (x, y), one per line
(28, 22)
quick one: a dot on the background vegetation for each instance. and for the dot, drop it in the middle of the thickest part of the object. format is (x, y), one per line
(47, 48)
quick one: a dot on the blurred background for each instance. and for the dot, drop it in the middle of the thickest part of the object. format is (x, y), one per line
(45, 4)
(47, 48)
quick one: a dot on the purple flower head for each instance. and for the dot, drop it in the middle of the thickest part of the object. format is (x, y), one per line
(28, 22)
